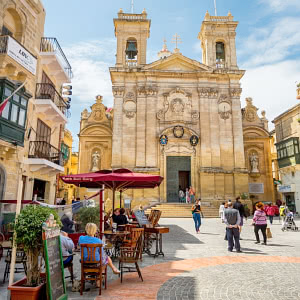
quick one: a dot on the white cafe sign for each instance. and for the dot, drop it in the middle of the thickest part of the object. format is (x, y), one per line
(21, 55)
(287, 188)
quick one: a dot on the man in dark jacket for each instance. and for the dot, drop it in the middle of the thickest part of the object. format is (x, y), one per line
(232, 220)
(240, 207)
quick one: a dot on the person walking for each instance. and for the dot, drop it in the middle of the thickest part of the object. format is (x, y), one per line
(192, 194)
(232, 220)
(221, 211)
(260, 223)
(270, 210)
(181, 195)
(196, 211)
(240, 207)
(187, 196)
(283, 211)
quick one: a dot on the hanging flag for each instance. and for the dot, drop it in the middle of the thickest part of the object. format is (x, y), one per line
(3, 104)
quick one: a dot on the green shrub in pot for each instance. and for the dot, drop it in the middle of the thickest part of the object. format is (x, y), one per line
(28, 234)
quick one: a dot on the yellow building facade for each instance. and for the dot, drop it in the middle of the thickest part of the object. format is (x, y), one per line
(182, 119)
(32, 123)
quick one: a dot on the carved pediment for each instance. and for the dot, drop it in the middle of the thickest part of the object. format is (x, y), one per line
(178, 62)
(177, 107)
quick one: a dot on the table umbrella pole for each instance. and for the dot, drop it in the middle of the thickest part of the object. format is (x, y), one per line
(101, 204)
(113, 204)
(120, 199)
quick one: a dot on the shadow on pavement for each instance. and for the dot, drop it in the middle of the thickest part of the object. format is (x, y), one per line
(178, 234)
(252, 251)
(210, 233)
(280, 245)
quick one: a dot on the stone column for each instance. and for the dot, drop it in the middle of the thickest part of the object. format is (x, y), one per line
(117, 127)
(240, 175)
(237, 129)
(141, 128)
(206, 177)
(151, 125)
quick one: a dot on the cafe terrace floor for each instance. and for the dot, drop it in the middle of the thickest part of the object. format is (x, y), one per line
(198, 266)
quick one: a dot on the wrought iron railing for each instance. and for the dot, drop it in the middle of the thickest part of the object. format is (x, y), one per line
(48, 92)
(51, 45)
(42, 149)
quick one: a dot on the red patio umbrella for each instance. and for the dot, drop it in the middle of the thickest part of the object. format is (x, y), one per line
(115, 180)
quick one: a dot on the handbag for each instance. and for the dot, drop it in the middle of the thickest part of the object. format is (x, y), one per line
(269, 233)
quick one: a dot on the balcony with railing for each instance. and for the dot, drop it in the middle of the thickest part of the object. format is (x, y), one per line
(49, 102)
(53, 56)
(17, 55)
(45, 158)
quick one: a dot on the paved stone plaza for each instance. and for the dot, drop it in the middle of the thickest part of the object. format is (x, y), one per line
(198, 266)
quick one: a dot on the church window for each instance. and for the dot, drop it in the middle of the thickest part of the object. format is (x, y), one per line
(220, 55)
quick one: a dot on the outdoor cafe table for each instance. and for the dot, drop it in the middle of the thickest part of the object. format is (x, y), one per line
(158, 231)
(116, 238)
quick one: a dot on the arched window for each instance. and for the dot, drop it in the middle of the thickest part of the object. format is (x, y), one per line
(131, 51)
(12, 24)
(220, 54)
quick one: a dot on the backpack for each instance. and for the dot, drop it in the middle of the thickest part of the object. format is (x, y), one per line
(282, 211)
(181, 194)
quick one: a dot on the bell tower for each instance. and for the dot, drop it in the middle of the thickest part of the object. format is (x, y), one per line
(132, 32)
(217, 37)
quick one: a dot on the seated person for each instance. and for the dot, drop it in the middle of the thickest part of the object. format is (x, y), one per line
(67, 247)
(122, 218)
(91, 230)
(115, 215)
(67, 222)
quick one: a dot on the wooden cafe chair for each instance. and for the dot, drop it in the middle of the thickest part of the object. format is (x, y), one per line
(132, 239)
(130, 256)
(92, 269)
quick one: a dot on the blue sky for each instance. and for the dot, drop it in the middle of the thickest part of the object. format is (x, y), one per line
(268, 44)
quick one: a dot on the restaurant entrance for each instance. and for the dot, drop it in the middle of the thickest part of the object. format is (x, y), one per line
(178, 175)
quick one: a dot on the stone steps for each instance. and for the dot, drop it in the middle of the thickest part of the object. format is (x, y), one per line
(182, 210)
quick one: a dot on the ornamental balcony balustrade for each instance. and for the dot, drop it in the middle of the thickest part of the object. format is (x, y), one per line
(50, 102)
(131, 63)
(44, 150)
(53, 56)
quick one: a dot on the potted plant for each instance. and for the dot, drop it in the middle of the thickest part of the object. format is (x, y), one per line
(28, 235)
(85, 215)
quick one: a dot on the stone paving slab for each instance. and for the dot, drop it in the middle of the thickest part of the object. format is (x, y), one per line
(182, 244)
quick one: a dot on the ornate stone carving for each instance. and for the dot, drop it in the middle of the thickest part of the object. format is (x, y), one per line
(130, 95)
(195, 115)
(129, 108)
(161, 113)
(235, 93)
(250, 112)
(177, 106)
(254, 162)
(151, 91)
(85, 114)
(208, 92)
(178, 131)
(118, 91)
(224, 104)
(98, 110)
(96, 161)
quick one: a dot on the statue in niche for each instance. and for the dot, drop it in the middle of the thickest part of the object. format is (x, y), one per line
(254, 163)
(95, 161)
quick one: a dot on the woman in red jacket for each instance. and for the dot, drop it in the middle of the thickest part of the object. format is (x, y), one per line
(270, 211)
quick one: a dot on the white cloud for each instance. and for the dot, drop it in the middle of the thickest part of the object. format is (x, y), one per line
(272, 43)
(272, 87)
(90, 63)
(280, 5)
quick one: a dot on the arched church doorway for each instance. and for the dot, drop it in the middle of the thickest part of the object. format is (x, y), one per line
(178, 176)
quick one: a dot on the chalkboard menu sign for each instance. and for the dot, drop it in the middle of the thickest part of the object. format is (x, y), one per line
(141, 217)
(56, 287)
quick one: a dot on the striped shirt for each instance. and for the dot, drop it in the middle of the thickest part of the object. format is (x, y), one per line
(260, 217)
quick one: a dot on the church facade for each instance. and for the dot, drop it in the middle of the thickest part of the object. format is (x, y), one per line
(180, 118)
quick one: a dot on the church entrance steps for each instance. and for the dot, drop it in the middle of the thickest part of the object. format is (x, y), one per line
(182, 210)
